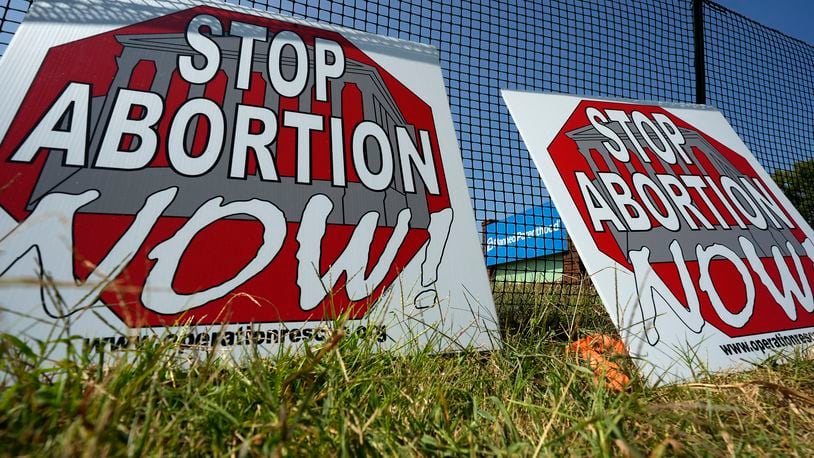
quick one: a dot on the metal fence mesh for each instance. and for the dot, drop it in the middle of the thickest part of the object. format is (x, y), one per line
(763, 82)
(760, 79)
(12, 13)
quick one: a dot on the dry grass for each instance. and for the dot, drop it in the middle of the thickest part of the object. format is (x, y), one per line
(343, 399)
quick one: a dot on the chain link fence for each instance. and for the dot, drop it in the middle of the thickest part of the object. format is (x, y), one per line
(662, 50)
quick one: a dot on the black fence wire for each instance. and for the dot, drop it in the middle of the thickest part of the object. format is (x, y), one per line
(661, 50)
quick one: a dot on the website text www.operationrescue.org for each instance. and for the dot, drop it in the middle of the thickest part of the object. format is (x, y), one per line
(768, 343)
(242, 336)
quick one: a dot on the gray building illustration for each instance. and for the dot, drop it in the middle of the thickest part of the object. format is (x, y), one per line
(124, 192)
(658, 238)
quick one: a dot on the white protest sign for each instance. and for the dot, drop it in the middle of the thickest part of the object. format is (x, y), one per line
(699, 258)
(250, 175)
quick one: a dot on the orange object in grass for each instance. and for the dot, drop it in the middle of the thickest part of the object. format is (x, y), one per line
(596, 349)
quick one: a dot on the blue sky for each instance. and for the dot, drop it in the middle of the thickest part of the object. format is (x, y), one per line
(792, 17)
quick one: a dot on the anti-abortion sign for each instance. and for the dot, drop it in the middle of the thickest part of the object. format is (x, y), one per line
(699, 258)
(169, 163)
(536, 232)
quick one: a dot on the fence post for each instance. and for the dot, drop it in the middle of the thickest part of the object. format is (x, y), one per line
(698, 38)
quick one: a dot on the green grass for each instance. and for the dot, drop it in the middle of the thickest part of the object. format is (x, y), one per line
(343, 399)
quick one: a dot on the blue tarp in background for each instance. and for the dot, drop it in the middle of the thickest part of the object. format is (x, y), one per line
(536, 232)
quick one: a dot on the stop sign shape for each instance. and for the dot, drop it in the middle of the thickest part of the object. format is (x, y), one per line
(218, 166)
(686, 189)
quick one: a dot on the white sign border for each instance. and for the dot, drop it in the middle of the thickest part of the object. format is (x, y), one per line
(539, 117)
(466, 316)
